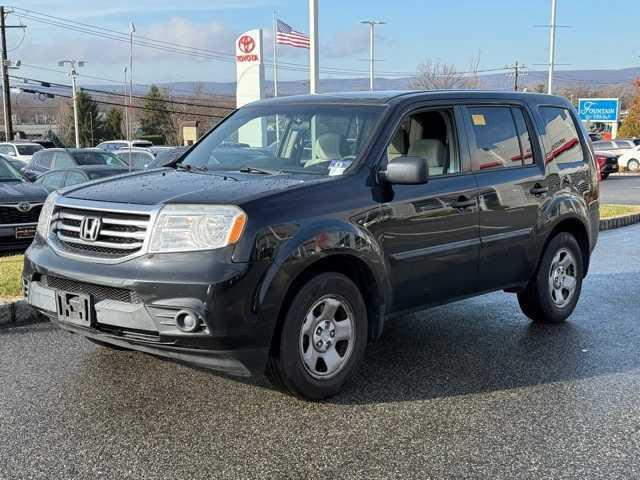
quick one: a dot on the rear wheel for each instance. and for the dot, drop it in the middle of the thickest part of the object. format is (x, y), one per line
(633, 165)
(552, 294)
(323, 338)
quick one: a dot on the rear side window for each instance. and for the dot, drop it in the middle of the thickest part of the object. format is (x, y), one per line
(53, 180)
(495, 143)
(603, 145)
(564, 141)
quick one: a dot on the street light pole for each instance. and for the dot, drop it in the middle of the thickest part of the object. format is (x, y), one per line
(126, 106)
(132, 30)
(552, 46)
(314, 63)
(73, 74)
(372, 24)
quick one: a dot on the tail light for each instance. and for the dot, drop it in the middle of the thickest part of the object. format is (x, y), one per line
(601, 161)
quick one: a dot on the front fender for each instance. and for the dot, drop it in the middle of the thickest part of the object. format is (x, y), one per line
(306, 245)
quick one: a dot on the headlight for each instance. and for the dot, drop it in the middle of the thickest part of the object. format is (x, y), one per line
(44, 221)
(180, 228)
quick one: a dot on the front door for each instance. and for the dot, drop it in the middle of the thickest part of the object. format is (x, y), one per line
(429, 232)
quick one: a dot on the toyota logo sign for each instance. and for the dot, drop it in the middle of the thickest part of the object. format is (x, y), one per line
(246, 44)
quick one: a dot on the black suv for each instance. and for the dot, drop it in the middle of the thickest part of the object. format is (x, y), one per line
(284, 239)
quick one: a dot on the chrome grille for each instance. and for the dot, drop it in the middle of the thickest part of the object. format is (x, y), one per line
(97, 292)
(9, 214)
(121, 234)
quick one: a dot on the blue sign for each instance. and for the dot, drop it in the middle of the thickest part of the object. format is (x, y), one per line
(598, 109)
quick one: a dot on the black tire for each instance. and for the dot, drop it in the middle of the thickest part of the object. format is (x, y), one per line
(106, 345)
(287, 370)
(635, 165)
(536, 299)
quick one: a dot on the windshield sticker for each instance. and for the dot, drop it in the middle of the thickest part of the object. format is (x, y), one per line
(337, 167)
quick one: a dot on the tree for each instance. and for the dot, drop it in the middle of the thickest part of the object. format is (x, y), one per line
(90, 122)
(631, 125)
(113, 124)
(156, 119)
(438, 75)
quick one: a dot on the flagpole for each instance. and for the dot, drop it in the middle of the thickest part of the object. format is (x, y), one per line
(275, 55)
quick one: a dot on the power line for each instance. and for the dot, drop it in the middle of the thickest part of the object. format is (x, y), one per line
(45, 83)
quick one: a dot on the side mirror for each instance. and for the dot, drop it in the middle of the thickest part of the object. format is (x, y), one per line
(406, 171)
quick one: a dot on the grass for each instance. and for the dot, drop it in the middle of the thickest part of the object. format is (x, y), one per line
(610, 211)
(11, 266)
(10, 270)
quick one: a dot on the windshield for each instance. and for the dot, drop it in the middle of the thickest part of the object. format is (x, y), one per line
(8, 173)
(317, 139)
(28, 149)
(98, 158)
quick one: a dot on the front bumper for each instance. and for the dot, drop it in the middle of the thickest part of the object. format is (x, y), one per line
(234, 338)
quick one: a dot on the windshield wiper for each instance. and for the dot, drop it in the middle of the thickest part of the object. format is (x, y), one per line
(261, 171)
(190, 168)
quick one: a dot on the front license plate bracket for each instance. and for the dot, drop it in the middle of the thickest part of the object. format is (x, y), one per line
(74, 308)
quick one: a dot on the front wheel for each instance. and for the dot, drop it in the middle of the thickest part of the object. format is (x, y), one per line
(633, 165)
(323, 338)
(553, 292)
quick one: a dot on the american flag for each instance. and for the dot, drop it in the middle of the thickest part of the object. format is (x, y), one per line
(286, 35)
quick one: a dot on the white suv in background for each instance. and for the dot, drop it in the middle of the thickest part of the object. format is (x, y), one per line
(22, 151)
(113, 145)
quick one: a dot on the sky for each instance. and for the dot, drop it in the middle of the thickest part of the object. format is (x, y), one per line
(600, 35)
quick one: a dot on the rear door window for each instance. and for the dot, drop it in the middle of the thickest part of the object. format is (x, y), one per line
(562, 135)
(53, 180)
(43, 159)
(494, 141)
(73, 178)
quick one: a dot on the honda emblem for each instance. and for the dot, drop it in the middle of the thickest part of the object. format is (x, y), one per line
(90, 228)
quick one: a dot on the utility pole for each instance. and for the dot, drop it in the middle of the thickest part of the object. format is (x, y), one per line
(552, 45)
(314, 63)
(372, 24)
(126, 106)
(518, 71)
(73, 75)
(6, 89)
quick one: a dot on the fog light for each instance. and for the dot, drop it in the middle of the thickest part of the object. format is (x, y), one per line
(187, 321)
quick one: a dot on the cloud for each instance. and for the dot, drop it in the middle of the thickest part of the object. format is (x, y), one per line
(348, 43)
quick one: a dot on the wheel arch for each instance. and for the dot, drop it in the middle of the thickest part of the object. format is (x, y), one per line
(578, 229)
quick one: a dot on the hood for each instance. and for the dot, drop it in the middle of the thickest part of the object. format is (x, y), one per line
(179, 186)
(14, 192)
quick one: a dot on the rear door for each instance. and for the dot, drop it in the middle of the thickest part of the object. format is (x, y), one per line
(429, 232)
(509, 170)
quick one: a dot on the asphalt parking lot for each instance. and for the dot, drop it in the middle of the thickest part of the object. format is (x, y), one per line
(621, 190)
(469, 390)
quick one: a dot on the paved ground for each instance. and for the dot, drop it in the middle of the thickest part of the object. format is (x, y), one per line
(470, 390)
(622, 189)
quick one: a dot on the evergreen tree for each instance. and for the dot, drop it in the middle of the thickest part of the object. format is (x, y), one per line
(90, 122)
(156, 119)
(113, 125)
(631, 125)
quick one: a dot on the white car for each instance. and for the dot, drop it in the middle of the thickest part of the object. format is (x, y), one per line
(20, 150)
(617, 147)
(630, 160)
(140, 157)
(113, 145)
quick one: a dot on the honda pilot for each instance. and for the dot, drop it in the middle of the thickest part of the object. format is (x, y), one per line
(284, 239)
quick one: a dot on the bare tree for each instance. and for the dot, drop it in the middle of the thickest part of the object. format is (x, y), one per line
(439, 75)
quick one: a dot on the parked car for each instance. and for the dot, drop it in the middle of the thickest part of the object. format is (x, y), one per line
(140, 157)
(166, 157)
(156, 149)
(617, 146)
(15, 162)
(19, 150)
(20, 204)
(46, 143)
(57, 158)
(66, 177)
(595, 136)
(113, 145)
(607, 163)
(630, 160)
(289, 262)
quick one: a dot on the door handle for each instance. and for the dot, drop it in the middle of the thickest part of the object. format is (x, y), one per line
(463, 202)
(538, 189)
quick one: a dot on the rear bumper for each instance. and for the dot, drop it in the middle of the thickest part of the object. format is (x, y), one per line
(234, 337)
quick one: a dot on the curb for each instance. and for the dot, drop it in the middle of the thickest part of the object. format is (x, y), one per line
(18, 313)
(617, 222)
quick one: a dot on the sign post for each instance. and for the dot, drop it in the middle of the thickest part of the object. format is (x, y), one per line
(601, 110)
(250, 83)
